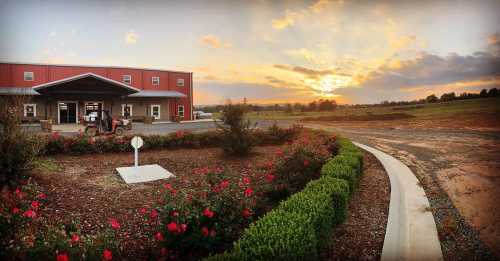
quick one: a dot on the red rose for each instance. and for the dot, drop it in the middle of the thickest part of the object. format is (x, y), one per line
(167, 186)
(212, 232)
(143, 210)
(208, 213)
(42, 196)
(62, 257)
(172, 227)
(246, 213)
(183, 228)
(159, 236)
(248, 192)
(35, 204)
(269, 177)
(15, 210)
(306, 163)
(204, 231)
(114, 223)
(19, 193)
(75, 238)
(224, 184)
(174, 214)
(107, 255)
(29, 213)
(154, 213)
(246, 180)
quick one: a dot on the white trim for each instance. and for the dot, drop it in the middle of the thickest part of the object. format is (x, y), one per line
(59, 111)
(159, 111)
(83, 75)
(87, 102)
(131, 109)
(34, 109)
(183, 111)
(129, 79)
(153, 80)
(180, 82)
(28, 73)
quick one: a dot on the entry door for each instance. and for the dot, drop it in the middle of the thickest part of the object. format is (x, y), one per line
(155, 111)
(93, 107)
(67, 112)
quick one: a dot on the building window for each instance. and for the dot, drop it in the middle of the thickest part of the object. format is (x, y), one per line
(180, 82)
(155, 111)
(30, 110)
(180, 111)
(127, 110)
(127, 79)
(29, 76)
(155, 80)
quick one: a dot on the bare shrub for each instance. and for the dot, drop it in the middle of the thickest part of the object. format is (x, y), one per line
(236, 131)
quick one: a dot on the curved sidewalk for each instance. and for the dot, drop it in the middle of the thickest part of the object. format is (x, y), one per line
(411, 233)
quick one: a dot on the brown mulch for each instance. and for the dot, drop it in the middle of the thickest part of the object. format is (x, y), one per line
(87, 188)
(361, 236)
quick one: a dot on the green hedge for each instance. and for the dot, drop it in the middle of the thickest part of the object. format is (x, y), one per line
(301, 225)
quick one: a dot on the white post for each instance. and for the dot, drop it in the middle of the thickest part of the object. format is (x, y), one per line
(136, 157)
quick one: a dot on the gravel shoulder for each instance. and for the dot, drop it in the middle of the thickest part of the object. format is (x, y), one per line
(361, 236)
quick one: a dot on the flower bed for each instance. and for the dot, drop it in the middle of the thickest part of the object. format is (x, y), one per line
(194, 218)
(299, 226)
(81, 144)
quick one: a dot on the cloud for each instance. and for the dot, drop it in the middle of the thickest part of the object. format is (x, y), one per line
(306, 72)
(52, 34)
(305, 54)
(293, 16)
(288, 20)
(131, 37)
(321, 5)
(214, 42)
(494, 43)
(402, 42)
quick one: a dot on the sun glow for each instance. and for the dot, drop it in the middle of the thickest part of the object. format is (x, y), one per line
(327, 85)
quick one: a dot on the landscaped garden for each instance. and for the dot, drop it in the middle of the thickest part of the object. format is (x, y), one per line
(239, 193)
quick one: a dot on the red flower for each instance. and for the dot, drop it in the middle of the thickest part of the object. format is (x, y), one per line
(167, 186)
(42, 196)
(248, 192)
(246, 213)
(306, 163)
(19, 193)
(159, 236)
(75, 238)
(174, 214)
(62, 257)
(143, 210)
(212, 232)
(29, 213)
(279, 152)
(15, 210)
(269, 177)
(183, 228)
(154, 213)
(246, 180)
(224, 184)
(172, 227)
(208, 213)
(35, 204)
(204, 231)
(107, 255)
(114, 223)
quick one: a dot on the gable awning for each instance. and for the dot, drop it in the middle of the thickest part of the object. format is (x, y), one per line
(87, 83)
(159, 94)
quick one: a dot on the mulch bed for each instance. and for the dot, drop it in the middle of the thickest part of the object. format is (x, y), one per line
(361, 236)
(88, 188)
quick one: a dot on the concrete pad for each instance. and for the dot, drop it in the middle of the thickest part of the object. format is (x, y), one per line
(411, 232)
(143, 173)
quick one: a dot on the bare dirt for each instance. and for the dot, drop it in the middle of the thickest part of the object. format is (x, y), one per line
(457, 163)
(361, 236)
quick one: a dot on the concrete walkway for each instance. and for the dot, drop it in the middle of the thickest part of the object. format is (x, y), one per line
(411, 232)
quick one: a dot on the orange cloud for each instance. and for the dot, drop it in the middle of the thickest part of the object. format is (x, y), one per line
(214, 42)
(288, 20)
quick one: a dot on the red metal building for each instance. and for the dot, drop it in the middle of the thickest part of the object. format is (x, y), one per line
(65, 93)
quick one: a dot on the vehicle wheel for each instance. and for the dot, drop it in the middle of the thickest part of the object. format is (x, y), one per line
(119, 131)
(90, 131)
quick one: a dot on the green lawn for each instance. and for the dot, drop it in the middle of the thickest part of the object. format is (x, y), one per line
(423, 111)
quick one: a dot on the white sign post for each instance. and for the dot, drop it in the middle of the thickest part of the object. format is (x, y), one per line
(136, 143)
(142, 173)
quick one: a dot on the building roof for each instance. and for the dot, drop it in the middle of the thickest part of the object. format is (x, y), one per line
(151, 93)
(43, 86)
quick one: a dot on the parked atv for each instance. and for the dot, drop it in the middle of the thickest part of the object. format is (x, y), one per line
(106, 125)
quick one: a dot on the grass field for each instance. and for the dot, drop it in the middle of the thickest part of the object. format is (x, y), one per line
(424, 111)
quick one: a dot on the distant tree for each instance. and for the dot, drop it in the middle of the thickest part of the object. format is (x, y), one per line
(448, 96)
(312, 106)
(483, 93)
(327, 105)
(288, 108)
(431, 98)
(493, 92)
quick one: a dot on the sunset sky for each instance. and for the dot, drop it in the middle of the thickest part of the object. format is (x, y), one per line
(271, 51)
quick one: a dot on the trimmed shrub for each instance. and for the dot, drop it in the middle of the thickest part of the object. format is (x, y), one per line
(333, 169)
(279, 235)
(236, 132)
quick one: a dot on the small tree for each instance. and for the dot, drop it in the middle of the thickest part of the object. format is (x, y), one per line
(236, 136)
(17, 149)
